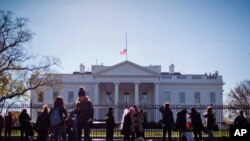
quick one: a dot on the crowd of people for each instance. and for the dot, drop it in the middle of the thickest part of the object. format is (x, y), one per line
(186, 123)
(56, 121)
(68, 126)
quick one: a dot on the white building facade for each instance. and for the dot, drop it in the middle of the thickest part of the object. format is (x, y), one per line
(129, 83)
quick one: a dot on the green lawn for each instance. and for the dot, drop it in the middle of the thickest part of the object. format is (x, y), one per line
(148, 133)
(154, 133)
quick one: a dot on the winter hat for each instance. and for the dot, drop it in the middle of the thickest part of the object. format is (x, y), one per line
(81, 91)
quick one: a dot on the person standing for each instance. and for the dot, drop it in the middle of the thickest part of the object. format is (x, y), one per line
(58, 112)
(144, 123)
(240, 120)
(43, 124)
(85, 113)
(110, 123)
(181, 122)
(69, 127)
(127, 128)
(8, 126)
(138, 119)
(196, 123)
(210, 122)
(168, 121)
(1, 126)
(24, 120)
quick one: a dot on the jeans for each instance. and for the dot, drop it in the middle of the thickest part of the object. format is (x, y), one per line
(85, 126)
(210, 135)
(58, 131)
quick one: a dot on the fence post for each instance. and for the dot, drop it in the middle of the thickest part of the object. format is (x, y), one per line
(31, 110)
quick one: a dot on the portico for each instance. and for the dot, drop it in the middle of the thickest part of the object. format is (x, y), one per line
(125, 93)
(126, 83)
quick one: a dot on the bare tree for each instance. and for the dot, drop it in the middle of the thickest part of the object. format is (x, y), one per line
(239, 99)
(20, 71)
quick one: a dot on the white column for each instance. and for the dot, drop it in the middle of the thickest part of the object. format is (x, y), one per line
(96, 100)
(96, 94)
(116, 93)
(136, 93)
(156, 97)
(116, 101)
(156, 100)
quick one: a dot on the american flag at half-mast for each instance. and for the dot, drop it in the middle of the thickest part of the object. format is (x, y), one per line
(123, 52)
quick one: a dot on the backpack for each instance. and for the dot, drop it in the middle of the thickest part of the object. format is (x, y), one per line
(55, 118)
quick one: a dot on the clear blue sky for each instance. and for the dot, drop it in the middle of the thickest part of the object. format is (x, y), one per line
(197, 36)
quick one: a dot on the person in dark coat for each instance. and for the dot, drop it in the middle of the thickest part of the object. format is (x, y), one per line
(168, 121)
(8, 126)
(85, 113)
(210, 122)
(1, 126)
(127, 128)
(110, 123)
(24, 120)
(181, 121)
(143, 123)
(240, 120)
(69, 127)
(43, 124)
(196, 123)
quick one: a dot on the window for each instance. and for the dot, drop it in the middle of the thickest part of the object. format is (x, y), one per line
(197, 98)
(70, 96)
(126, 98)
(212, 98)
(108, 99)
(182, 97)
(144, 98)
(55, 94)
(166, 97)
(86, 92)
(181, 77)
(40, 96)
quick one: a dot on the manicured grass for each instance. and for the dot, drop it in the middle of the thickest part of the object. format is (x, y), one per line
(148, 133)
(153, 133)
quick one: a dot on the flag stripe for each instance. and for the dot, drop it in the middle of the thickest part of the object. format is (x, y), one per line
(123, 52)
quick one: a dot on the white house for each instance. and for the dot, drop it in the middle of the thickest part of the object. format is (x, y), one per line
(130, 83)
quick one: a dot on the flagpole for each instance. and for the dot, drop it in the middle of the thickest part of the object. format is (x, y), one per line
(126, 48)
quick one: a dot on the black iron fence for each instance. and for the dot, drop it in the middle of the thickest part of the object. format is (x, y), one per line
(151, 112)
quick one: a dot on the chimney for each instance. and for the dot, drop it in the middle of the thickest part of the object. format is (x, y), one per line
(82, 68)
(171, 69)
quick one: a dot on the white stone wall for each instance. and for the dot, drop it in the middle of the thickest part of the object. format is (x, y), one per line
(189, 94)
(129, 73)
